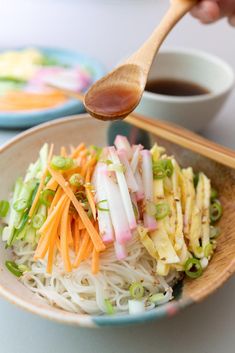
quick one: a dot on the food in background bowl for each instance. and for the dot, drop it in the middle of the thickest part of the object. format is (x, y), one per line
(109, 230)
(25, 76)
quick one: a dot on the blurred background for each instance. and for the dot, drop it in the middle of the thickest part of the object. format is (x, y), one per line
(109, 30)
(106, 29)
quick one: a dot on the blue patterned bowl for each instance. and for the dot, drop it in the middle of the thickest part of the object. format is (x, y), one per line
(71, 107)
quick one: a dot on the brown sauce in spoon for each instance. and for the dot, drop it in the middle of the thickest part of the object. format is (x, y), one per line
(112, 102)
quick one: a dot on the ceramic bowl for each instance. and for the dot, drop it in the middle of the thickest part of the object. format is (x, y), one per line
(16, 155)
(194, 66)
(70, 107)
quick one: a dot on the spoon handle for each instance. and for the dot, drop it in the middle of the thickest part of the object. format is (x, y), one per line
(146, 53)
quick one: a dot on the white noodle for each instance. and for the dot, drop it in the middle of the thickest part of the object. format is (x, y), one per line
(80, 291)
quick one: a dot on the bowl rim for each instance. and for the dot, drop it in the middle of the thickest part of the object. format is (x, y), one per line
(200, 98)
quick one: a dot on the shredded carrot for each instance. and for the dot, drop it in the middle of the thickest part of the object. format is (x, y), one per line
(40, 187)
(64, 237)
(95, 261)
(77, 150)
(44, 240)
(80, 225)
(82, 250)
(70, 237)
(91, 202)
(51, 251)
(63, 151)
(52, 184)
(88, 250)
(70, 172)
(51, 219)
(89, 163)
(76, 236)
(56, 198)
(95, 237)
(58, 244)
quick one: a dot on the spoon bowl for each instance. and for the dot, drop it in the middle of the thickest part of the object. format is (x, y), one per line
(113, 96)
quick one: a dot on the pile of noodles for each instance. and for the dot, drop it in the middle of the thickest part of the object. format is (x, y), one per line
(82, 292)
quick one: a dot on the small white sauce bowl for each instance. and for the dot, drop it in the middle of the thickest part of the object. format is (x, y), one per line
(191, 65)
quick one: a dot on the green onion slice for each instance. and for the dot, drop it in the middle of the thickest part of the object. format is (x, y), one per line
(162, 168)
(109, 307)
(38, 221)
(4, 208)
(100, 208)
(62, 163)
(156, 298)
(47, 196)
(48, 177)
(208, 251)
(214, 232)
(215, 211)
(214, 194)
(162, 210)
(136, 290)
(193, 268)
(76, 180)
(13, 268)
(20, 205)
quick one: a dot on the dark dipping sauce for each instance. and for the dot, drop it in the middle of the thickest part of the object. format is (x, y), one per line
(114, 101)
(178, 88)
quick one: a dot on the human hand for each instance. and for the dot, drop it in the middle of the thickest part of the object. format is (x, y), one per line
(208, 11)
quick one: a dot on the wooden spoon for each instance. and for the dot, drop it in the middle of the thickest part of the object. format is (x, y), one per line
(117, 94)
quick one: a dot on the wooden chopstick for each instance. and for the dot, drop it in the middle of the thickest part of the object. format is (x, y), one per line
(184, 138)
(72, 94)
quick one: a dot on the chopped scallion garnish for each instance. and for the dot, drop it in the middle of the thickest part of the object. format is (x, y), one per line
(214, 232)
(109, 307)
(61, 163)
(20, 205)
(208, 251)
(100, 208)
(162, 168)
(215, 211)
(4, 208)
(156, 298)
(38, 221)
(214, 194)
(13, 268)
(162, 210)
(76, 180)
(47, 196)
(193, 268)
(136, 290)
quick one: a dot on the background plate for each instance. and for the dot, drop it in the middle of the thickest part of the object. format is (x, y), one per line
(72, 106)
